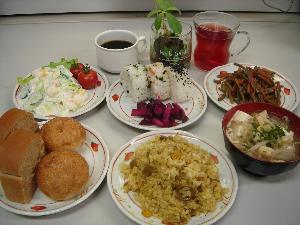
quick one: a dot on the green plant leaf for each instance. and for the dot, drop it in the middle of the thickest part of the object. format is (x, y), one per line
(157, 22)
(173, 9)
(164, 4)
(153, 12)
(174, 24)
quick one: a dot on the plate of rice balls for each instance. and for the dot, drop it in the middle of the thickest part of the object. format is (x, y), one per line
(172, 177)
(154, 97)
(48, 167)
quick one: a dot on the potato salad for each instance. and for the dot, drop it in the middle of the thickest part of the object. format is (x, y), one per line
(51, 91)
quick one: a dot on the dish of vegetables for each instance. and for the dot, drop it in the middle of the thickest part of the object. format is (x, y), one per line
(233, 83)
(66, 88)
(155, 114)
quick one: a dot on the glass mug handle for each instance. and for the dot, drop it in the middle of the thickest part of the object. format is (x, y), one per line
(143, 46)
(245, 46)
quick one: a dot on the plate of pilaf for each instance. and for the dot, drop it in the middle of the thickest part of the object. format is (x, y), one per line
(172, 177)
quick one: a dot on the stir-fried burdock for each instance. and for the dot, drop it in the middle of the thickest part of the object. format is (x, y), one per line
(249, 85)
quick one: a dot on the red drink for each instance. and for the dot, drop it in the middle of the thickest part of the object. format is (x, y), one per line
(213, 41)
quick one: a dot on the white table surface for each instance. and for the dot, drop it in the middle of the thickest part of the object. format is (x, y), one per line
(27, 43)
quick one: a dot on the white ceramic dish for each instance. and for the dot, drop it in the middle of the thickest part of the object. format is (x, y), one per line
(96, 153)
(120, 105)
(289, 97)
(124, 201)
(96, 96)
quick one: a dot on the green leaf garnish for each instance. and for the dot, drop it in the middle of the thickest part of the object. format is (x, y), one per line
(24, 80)
(52, 65)
(74, 86)
(174, 24)
(64, 62)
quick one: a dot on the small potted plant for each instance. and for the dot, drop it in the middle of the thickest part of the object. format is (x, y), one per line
(171, 39)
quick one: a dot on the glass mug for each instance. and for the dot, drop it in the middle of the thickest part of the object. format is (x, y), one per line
(215, 32)
(171, 50)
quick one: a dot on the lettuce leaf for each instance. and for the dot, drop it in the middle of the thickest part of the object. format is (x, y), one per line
(24, 80)
(65, 62)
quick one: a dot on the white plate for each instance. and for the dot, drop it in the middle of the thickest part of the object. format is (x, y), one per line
(121, 108)
(98, 161)
(125, 202)
(95, 97)
(289, 96)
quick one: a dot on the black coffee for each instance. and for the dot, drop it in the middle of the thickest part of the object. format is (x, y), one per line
(116, 44)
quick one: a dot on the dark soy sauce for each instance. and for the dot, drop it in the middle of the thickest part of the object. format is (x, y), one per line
(116, 44)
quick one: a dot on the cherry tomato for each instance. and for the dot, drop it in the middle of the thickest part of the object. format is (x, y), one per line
(76, 68)
(88, 78)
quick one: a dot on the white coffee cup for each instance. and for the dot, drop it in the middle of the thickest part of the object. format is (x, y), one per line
(114, 60)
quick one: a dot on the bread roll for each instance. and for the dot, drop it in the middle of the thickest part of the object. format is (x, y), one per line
(62, 175)
(18, 189)
(16, 119)
(20, 153)
(63, 133)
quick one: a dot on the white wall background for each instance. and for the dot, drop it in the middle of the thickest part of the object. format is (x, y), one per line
(10, 7)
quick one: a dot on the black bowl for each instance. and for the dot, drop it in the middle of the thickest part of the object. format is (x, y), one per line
(258, 166)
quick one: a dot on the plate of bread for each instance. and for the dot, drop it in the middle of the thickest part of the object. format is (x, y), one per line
(48, 167)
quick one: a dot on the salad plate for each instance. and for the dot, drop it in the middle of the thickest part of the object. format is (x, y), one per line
(289, 94)
(93, 97)
(121, 105)
(127, 204)
(96, 153)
